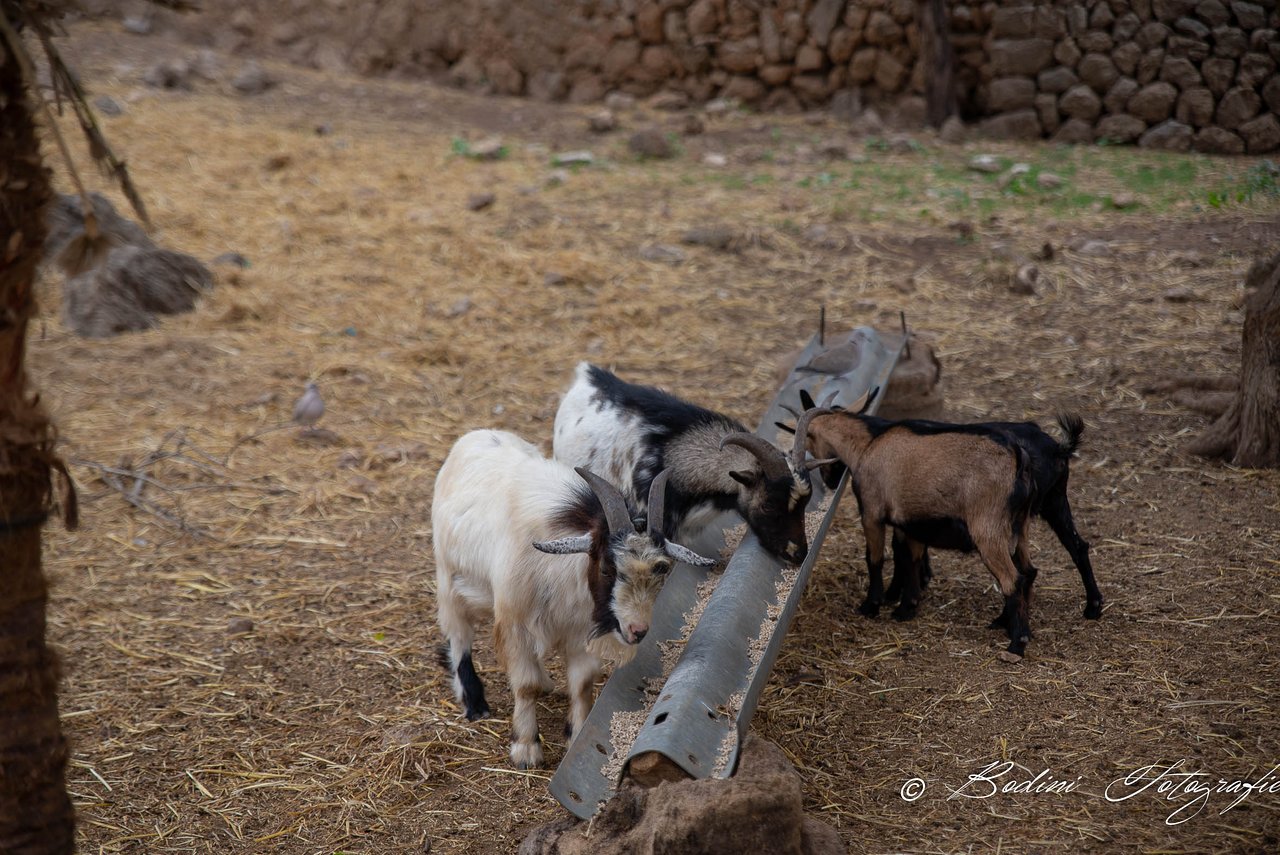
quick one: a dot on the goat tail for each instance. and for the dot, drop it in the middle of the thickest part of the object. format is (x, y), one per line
(1072, 429)
(1024, 493)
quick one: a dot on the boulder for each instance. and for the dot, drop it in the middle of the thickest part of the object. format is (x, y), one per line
(1097, 70)
(132, 287)
(1261, 135)
(1080, 102)
(1180, 71)
(1117, 97)
(1126, 57)
(1255, 69)
(1249, 15)
(1018, 124)
(1218, 73)
(1215, 140)
(1119, 129)
(1170, 135)
(1152, 35)
(1212, 12)
(759, 809)
(1154, 102)
(1229, 42)
(1010, 93)
(1074, 132)
(1056, 80)
(1020, 56)
(1195, 107)
(1238, 106)
(1271, 94)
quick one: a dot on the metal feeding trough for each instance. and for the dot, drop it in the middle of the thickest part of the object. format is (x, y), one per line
(696, 726)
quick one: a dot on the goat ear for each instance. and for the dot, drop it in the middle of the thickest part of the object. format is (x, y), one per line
(564, 545)
(866, 405)
(806, 400)
(687, 555)
(788, 428)
(746, 479)
(810, 465)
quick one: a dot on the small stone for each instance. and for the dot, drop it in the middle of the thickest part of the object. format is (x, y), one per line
(252, 80)
(987, 163)
(489, 148)
(234, 259)
(1048, 181)
(239, 626)
(553, 278)
(602, 122)
(323, 129)
(716, 236)
(662, 253)
(573, 158)
(168, 74)
(108, 106)
(952, 130)
(1011, 658)
(1122, 200)
(692, 125)
(719, 106)
(139, 25)
(361, 485)
(619, 101)
(480, 201)
(459, 308)
(715, 160)
(387, 453)
(1181, 295)
(556, 177)
(650, 142)
(1094, 249)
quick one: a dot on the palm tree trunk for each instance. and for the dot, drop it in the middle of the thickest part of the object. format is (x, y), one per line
(35, 812)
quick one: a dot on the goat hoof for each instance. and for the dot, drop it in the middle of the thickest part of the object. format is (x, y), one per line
(1000, 622)
(568, 730)
(1093, 611)
(524, 756)
(869, 609)
(904, 613)
(478, 714)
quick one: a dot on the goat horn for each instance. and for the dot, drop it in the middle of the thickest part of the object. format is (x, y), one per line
(657, 502)
(687, 555)
(772, 463)
(564, 545)
(802, 428)
(616, 512)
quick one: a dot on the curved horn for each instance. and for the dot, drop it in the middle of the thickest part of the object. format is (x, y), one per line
(772, 463)
(615, 507)
(657, 504)
(802, 429)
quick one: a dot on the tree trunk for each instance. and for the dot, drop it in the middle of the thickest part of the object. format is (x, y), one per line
(35, 812)
(1248, 433)
(939, 62)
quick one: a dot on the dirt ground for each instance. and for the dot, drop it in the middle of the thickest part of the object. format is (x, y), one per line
(327, 727)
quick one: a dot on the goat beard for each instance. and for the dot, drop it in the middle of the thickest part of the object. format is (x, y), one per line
(610, 648)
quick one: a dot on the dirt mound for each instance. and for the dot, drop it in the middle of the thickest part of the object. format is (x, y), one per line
(757, 810)
(133, 286)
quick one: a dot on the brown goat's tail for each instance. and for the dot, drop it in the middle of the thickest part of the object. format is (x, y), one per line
(1072, 429)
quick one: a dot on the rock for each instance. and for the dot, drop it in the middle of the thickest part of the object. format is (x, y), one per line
(1119, 129)
(1067, 53)
(1188, 48)
(233, 259)
(1237, 106)
(1212, 12)
(716, 236)
(252, 80)
(987, 163)
(1126, 27)
(1153, 102)
(863, 65)
(1255, 69)
(480, 201)
(1151, 35)
(890, 73)
(952, 130)
(1195, 107)
(1021, 56)
(1229, 42)
(1046, 105)
(669, 101)
(619, 101)
(1123, 201)
(822, 20)
(1219, 72)
(1126, 57)
(1010, 93)
(489, 148)
(1191, 27)
(573, 158)
(206, 65)
(692, 125)
(1249, 15)
(662, 253)
(390, 453)
(1074, 132)
(169, 74)
(552, 278)
(1049, 181)
(1098, 71)
(132, 287)
(650, 142)
(108, 106)
(1018, 124)
(65, 220)
(139, 25)
(1118, 96)
(239, 626)
(1094, 248)
(602, 122)
(715, 160)
(1179, 71)
(1056, 80)
(1024, 280)
(1169, 135)
(1080, 102)
(1271, 94)
(1150, 66)
(1215, 140)
(1261, 135)
(759, 809)
(1181, 295)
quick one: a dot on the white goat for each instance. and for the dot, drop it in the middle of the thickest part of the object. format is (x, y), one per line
(558, 564)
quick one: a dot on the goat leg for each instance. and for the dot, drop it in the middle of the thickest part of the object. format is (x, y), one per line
(874, 531)
(913, 554)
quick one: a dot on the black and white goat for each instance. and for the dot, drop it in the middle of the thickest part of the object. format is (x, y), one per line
(1050, 470)
(629, 433)
(939, 485)
(556, 560)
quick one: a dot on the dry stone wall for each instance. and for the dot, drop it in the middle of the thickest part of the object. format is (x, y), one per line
(1174, 74)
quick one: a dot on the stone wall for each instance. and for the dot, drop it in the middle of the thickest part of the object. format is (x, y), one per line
(1173, 74)
(1168, 73)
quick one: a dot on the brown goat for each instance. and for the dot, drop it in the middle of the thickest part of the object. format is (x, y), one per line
(940, 485)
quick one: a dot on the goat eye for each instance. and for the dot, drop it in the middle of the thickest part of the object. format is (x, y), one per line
(663, 567)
